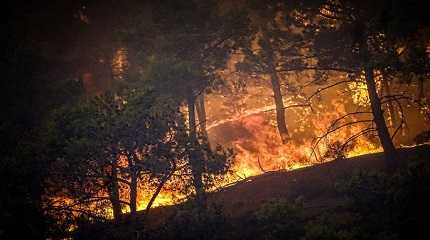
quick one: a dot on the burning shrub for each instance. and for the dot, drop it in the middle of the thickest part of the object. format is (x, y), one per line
(112, 144)
(335, 150)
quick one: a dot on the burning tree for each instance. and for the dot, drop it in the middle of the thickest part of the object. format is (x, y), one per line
(273, 43)
(151, 65)
(361, 40)
(192, 40)
(111, 144)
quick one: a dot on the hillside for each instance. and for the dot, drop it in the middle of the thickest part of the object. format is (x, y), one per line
(264, 206)
(315, 184)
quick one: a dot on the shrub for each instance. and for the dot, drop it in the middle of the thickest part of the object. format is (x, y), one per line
(280, 219)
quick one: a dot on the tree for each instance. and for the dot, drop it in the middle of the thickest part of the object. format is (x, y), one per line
(278, 45)
(358, 38)
(182, 59)
(109, 143)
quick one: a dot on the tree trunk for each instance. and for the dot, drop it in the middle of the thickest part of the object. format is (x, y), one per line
(391, 159)
(280, 111)
(195, 155)
(132, 159)
(133, 193)
(391, 108)
(114, 192)
(201, 113)
(276, 87)
(420, 90)
(157, 191)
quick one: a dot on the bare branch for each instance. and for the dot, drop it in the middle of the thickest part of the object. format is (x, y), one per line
(259, 165)
(328, 87)
(303, 68)
(345, 116)
(357, 135)
(328, 132)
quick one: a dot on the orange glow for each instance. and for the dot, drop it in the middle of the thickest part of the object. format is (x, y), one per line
(120, 63)
(246, 122)
(244, 119)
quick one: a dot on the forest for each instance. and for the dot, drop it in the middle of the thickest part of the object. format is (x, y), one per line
(215, 119)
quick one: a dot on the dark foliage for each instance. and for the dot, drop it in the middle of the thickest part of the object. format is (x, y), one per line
(391, 206)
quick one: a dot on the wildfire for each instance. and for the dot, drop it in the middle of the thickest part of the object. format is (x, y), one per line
(247, 124)
(245, 121)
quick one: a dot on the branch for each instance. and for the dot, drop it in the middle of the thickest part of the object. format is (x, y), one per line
(317, 69)
(318, 139)
(290, 106)
(401, 116)
(344, 125)
(259, 165)
(345, 116)
(86, 212)
(327, 87)
(208, 50)
(158, 190)
(357, 135)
